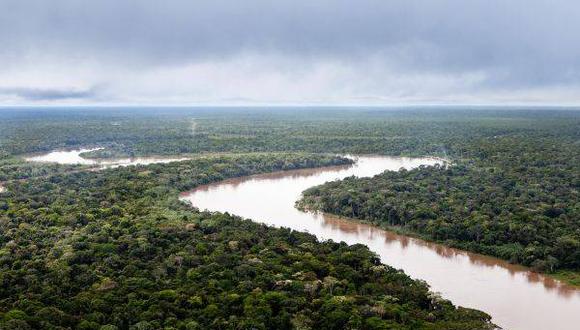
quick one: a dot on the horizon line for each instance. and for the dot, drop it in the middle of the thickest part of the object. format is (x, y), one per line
(291, 105)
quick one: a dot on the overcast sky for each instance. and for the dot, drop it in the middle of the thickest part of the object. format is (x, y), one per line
(196, 52)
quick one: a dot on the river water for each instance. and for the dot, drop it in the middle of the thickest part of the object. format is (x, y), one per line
(515, 297)
(73, 157)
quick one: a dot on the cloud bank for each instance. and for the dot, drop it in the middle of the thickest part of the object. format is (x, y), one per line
(289, 52)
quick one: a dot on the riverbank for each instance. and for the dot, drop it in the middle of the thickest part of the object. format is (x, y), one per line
(567, 277)
(500, 211)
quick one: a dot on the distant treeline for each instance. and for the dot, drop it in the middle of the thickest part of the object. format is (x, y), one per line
(138, 132)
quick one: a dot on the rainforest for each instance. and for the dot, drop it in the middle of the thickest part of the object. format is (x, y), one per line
(88, 247)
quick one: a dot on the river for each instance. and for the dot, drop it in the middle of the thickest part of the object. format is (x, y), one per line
(515, 297)
(73, 157)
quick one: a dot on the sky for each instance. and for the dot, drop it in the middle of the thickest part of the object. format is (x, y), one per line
(306, 52)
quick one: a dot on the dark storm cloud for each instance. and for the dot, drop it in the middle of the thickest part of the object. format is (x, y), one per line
(513, 44)
(36, 94)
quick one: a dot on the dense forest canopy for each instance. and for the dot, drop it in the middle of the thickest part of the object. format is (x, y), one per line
(153, 131)
(511, 194)
(115, 248)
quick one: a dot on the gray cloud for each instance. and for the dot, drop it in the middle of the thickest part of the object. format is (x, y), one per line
(509, 45)
(36, 94)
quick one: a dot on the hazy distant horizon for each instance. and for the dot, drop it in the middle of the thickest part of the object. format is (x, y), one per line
(422, 107)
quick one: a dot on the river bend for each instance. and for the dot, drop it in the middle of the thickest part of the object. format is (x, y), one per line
(515, 297)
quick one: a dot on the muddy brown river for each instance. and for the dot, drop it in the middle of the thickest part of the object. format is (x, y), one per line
(515, 297)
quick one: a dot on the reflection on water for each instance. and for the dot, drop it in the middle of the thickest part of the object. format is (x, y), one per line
(516, 297)
(73, 157)
(364, 231)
